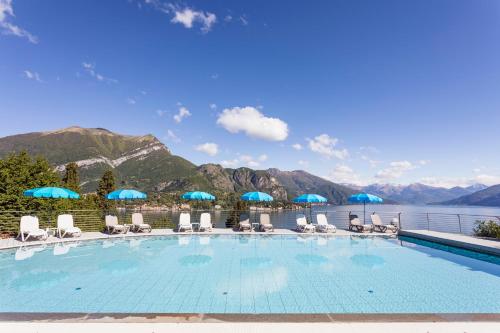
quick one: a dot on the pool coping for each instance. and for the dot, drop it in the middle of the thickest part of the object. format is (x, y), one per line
(459, 241)
(246, 318)
(12, 243)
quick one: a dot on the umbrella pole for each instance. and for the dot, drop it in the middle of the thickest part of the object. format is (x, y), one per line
(364, 212)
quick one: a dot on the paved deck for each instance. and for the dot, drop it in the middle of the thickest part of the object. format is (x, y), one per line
(13, 243)
(457, 240)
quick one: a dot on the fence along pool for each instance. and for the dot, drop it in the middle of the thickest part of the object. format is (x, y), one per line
(93, 220)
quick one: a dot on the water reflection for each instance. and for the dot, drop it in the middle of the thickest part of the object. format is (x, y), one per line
(39, 279)
(311, 259)
(195, 260)
(367, 260)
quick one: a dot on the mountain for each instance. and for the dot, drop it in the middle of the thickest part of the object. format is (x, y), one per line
(143, 162)
(489, 196)
(298, 182)
(419, 193)
(138, 161)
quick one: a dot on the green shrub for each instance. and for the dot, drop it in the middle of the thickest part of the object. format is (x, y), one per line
(487, 228)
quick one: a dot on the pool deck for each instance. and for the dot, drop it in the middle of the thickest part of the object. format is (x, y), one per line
(13, 243)
(466, 242)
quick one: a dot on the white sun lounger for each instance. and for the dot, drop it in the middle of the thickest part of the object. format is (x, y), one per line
(138, 223)
(302, 225)
(30, 227)
(112, 225)
(185, 222)
(265, 223)
(244, 223)
(323, 225)
(378, 225)
(356, 225)
(65, 226)
(205, 222)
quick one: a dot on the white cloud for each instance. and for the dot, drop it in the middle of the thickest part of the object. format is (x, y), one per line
(395, 170)
(131, 101)
(213, 106)
(373, 163)
(8, 28)
(245, 160)
(228, 18)
(345, 175)
(486, 179)
(188, 17)
(172, 137)
(243, 20)
(208, 148)
(90, 68)
(423, 162)
(230, 163)
(253, 123)
(161, 113)
(297, 146)
(325, 145)
(32, 75)
(214, 76)
(303, 163)
(183, 113)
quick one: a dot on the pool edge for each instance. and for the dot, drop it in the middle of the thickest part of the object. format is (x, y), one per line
(244, 318)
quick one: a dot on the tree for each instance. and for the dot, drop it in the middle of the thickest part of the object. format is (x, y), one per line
(106, 186)
(71, 180)
(19, 172)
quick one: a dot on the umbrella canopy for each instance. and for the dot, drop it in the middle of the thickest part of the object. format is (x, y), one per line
(310, 198)
(364, 198)
(126, 194)
(256, 196)
(51, 192)
(197, 195)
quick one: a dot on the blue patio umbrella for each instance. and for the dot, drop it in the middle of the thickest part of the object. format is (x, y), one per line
(310, 198)
(51, 193)
(126, 194)
(256, 196)
(197, 195)
(364, 198)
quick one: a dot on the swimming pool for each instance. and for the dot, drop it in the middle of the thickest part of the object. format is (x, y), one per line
(247, 274)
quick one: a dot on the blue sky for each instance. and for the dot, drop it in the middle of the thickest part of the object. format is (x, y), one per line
(353, 91)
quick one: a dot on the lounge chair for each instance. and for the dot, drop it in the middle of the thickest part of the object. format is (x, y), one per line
(244, 223)
(378, 225)
(65, 226)
(205, 222)
(30, 227)
(323, 225)
(265, 223)
(303, 226)
(356, 225)
(138, 223)
(185, 222)
(112, 225)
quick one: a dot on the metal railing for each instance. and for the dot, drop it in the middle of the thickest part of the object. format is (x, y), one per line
(93, 220)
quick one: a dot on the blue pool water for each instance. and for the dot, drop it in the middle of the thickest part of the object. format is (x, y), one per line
(247, 274)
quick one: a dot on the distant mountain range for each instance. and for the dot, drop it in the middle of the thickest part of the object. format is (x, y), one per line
(145, 163)
(486, 197)
(419, 193)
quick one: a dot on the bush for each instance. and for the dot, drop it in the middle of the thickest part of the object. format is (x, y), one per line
(487, 229)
